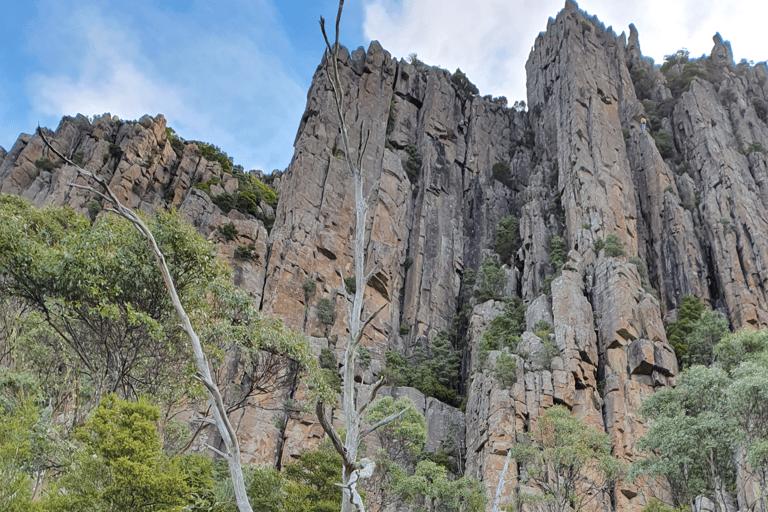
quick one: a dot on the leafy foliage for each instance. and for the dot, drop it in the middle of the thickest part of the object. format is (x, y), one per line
(505, 329)
(491, 280)
(434, 372)
(507, 238)
(326, 312)
(462, 84)
(502, 173)
(101, 316)
(412, 163)
(680, 71)
(557, 257)
(691, 438)
(228, 231)
(121, 465)
(663, 142)
(505, 370)
(688, 314)
(613, 246)
(568, 460)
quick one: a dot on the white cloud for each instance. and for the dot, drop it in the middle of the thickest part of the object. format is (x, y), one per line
(490, 40)
(221, 81)
(108, 77)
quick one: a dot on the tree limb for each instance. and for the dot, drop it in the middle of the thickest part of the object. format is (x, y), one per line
(376, 387)
(386, 421)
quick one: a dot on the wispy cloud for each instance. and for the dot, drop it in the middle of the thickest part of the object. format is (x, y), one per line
(107, 75)
(490, 40)
(216, 80)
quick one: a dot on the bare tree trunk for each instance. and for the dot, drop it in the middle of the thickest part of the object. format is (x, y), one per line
(204, 375)
(352, 414)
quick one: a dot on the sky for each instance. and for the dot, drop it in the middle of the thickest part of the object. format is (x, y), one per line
(235, 73)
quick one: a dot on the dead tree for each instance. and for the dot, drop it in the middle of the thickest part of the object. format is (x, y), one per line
(353, 413)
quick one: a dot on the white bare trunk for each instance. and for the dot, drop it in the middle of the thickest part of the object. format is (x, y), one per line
(226, 431)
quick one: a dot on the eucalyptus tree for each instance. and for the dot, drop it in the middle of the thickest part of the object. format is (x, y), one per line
(248, 328)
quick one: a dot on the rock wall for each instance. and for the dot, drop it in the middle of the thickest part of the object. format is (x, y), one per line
(580, 167)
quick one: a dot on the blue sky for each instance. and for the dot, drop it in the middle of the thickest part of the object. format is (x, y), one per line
(236, 73)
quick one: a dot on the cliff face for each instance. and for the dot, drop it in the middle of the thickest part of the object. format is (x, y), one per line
(580, 167)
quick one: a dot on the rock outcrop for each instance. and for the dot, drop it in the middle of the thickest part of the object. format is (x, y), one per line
(687, 198)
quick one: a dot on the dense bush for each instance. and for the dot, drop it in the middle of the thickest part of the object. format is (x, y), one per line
(491, 280)
(506, 370)
(505, 329)
(350, 285)
(502, 173)
(434, 370)
(228, 231)
(326, 312)
(663, 143)
(688, 314)
(507, 238)
(413, 163)
(613, 246)
(44, 164)
(463, 86)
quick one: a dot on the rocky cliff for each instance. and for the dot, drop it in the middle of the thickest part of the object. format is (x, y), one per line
(687, 198)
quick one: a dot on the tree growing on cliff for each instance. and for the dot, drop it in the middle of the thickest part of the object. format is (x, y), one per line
(691, 436)
(353, 407)
(570, 462)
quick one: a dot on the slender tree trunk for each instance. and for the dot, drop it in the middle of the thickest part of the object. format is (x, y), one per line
(353, 414)
(226, 430)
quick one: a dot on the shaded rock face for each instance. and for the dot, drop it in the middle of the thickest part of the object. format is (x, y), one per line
(580, 167)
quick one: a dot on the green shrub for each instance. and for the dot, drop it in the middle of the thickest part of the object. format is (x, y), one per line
(542, 329)
(329, 367)
(363, 356)
(350, 285)
(225, 201)
(245, 252)
(328, 359)
(404, 329)
(391, 117)
(214, 154)
(44, 164)
(505, 329)
(506, 370)
(435, 373)
(463, 86)
(613, 246)
(761, 109)
(642, 83)
(206, 187)
(310, 288)
(548, 352)
(687, 315)
(228, 231)
(557, 252)
(408, 262)
(94, 207)
(490, 280)
(177, 143)
(502, 173)
(77, 157)
(413, 163)
(663, 143)
(546, 285)
(507, 238)
(326, 312)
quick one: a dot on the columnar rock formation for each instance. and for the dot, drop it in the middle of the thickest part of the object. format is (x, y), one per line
(580, 167)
